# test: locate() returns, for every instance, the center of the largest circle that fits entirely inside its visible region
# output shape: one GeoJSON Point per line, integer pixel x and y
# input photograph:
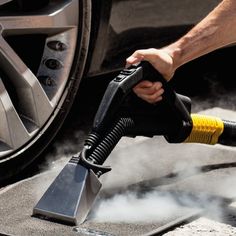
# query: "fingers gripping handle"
{"type": "Point", "coordinates": [119, 88]}
{"type": "Point", "coordinates": [178, 106]}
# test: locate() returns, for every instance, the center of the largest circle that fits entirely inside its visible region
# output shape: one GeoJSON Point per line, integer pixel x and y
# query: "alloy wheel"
{"type": "Point", "coordinates": [37, 53]}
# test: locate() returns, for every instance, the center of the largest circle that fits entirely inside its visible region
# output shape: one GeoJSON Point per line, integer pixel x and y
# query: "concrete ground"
{"type": "Point", "coordinates": [152, 183]}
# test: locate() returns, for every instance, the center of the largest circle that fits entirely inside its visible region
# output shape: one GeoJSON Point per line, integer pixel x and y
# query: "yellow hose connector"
{"type": "Point", "coordinates": [206, 129]}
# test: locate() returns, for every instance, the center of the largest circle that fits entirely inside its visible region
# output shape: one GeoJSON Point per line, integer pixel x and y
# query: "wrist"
{"type": "Point", "coordinates": [175, 52]}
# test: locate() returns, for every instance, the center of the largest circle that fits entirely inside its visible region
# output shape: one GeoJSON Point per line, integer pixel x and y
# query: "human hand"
{"type": "Point", "coordinates": [162, 61]}
{"type": "Point", "coordinates": [149, 91]}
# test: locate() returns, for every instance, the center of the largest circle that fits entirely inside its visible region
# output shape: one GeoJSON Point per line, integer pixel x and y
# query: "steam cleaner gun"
{"type": "Point", "coordinates": [121, 113]}
{"type": "Point", "coordinates": [71, 195]}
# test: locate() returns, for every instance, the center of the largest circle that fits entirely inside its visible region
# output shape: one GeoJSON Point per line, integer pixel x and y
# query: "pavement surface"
{"type": "Point", "coordinates": [152, 184]}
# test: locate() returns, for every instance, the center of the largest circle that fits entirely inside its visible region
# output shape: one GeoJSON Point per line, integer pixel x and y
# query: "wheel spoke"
{"type": "Point", "coordinates": [33, 102]}
{"type": "Point", "coordinates": [55, 19]}
{"type": "Point", "coordinates": [37, 48]}
{"type": "Point", "coordinates": [12, 130]}
{"type": "Point", "coordinates": [2, 2]}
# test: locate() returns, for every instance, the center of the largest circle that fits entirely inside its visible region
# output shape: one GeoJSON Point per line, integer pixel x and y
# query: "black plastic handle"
{"type": "Point", "coordinates": [122, 85]}
{"type": "Point", "coordinates": [119, 88]}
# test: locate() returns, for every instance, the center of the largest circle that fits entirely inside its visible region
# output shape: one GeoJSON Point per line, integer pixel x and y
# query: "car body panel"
{"type": "Point", "coordinates": [127, 25]}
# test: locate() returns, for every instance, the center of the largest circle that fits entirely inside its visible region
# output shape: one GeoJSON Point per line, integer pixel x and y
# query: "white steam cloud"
{"type": "Point", "coordinates": [132, 208]}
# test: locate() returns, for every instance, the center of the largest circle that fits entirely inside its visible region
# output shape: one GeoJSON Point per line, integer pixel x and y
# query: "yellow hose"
{"type": "Point", "coordinates": [206, 129]}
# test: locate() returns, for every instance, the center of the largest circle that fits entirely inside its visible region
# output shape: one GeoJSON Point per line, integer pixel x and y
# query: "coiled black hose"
{"type": "Point", "coordinates": [206, 129]}
{"type": "Point", "coordinates": [99, 152]}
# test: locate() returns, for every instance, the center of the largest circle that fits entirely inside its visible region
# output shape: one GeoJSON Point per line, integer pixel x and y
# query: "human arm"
{"type": "Point", "coordinates": [216, 30]}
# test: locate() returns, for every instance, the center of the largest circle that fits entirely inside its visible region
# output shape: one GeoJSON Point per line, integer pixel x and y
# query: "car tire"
{"type": "Point", "coordinates": [43, 63]}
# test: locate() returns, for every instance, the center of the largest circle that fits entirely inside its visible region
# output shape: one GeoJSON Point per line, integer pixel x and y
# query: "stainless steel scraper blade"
{"type": "Point", "coordinates": [70, 197]}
